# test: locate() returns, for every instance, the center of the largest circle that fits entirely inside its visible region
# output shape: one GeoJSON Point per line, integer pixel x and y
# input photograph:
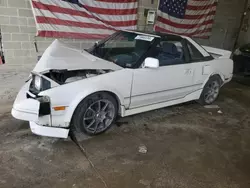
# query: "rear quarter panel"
{"type": "Point", "coordinates": [222, 67]}
{"type": "Point", "coordinates": [222, 64]}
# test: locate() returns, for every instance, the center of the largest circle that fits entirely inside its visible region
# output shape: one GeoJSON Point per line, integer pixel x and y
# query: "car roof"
{"type": "Point", "coordinates": [156, 34]}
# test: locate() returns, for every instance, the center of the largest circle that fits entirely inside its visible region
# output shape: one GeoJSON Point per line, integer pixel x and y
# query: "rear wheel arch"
{"type": "Point", "coordinates": [210, 84]}
{"type": "Point", "coordinates": [218, 75]}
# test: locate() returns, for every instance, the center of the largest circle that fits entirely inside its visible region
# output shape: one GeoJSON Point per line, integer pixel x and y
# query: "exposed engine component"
{"type": "Point", "coordinates": [65, 76]}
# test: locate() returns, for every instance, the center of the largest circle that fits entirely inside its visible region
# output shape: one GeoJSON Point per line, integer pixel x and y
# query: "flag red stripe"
{"type": "Point", "coordinates": [185, 34]}
{"type": "Point", "coordinates": [57, 34]}
{"type": "Point", "coordinates": [196, 17]}
{"type": "Point", "coordinates": [121, 23]}
{"type": "Point", "coordinates": [56, 21]}
{"type": "Point", "coordinates": [206, 7]}
{"type": "Point", "coordinates": [111, 11]}
{"type": "Point", "coordinates": [183, 26]}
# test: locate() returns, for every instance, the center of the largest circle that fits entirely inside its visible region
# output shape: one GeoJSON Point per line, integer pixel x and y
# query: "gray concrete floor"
{"type": "Point", "coordinates": [188, 146]}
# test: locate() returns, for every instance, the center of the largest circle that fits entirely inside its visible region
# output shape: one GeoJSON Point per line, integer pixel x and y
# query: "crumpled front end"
{"type": "Point", "coordinates": [59, 65]}
{"type": "Point", "coordinates": [37, 110]}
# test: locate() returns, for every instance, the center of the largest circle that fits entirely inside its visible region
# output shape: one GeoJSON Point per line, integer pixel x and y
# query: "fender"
{"type": "Point", "coordinates": [81, 96]}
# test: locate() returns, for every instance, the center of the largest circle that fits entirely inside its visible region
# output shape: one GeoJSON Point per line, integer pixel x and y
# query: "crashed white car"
{"type": "Point", "coordinates": [127, 73]}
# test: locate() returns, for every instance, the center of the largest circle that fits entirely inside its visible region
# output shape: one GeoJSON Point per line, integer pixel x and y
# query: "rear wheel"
{"type": "Point", "coordinates": [95, 114]}
{"type": "Point", "coordinates": [211, 91]}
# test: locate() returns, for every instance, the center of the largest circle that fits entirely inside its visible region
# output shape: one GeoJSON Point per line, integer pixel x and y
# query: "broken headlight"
{"type": "Point", "coordinates": [39, 84]}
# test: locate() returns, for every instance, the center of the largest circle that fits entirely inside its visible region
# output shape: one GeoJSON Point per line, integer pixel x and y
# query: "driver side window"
{"type": "Point", "coordinates": [169, 52]}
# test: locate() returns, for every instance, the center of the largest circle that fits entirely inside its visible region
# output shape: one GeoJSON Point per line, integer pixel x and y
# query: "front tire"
{"type": "Point", "coordinates": [95, 114]}
{"type": "Point", "coordinates": [211, 91]}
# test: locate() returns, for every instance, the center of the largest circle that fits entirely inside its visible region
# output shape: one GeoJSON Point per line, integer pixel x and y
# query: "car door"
{"type": "Point", "coordinates": [168, 82]}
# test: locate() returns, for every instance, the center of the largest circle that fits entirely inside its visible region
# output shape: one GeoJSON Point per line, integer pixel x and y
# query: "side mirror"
{"type": "Point", "coordinates": [151, 63]}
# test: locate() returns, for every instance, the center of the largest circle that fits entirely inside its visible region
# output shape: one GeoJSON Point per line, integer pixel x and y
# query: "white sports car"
{"type": "Point", "coordinates": [127, 73]}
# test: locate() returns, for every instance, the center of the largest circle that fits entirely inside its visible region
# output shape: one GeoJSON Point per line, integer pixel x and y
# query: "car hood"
{"type": "Point", "coordinates": [61, 56]}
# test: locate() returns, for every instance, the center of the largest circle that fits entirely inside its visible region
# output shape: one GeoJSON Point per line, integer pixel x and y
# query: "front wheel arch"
{"type": "Point", "coordinates": [75, 123]}
{"type": "Point", "coordinates": [82, 99]}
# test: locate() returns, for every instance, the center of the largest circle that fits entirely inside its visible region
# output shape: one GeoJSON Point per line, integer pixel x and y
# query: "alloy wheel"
{"type": "Point", "coordinates": [99, 116]}
{"type": "Point", "coordinates": [212, 92]}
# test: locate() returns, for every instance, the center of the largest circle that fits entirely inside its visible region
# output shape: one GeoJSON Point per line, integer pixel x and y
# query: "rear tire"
{"type": "Point", "coordinates": [210, 91]}
{"type": "Point", "coordinates": [95, 114]}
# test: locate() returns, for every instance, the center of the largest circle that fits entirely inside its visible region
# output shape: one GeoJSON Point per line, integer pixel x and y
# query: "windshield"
{"type": "Point", "coordinates": [123, 48]}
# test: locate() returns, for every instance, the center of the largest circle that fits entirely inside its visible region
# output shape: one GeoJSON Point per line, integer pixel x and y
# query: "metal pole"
{"type": "Point", "coordinates": [241, 24]}
{"type": "Point", "coordinates": [1, 48]}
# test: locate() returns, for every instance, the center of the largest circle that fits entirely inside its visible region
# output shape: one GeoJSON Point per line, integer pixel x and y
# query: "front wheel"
{"type": "Point", "coordinates": [95, 114]}
{"type": "Point", "coordinates": [211, 91]}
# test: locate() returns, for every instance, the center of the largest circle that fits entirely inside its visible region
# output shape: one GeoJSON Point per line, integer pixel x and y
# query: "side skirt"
{"type": "Point", "coordinates": [193, 96]}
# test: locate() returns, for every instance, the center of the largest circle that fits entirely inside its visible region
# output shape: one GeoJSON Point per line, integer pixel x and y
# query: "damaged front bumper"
{"type": "Point", "coordinates": [37, 111]}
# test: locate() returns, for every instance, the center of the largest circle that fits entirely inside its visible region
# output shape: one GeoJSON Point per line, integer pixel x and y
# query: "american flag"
{"type": "Point", "coordinates": [192, 18]}
{"type": "Point", "coordinates": [84, 19]}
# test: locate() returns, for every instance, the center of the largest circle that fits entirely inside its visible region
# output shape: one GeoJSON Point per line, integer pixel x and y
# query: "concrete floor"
{"type": "Point", "coordinates": [188, 146]}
